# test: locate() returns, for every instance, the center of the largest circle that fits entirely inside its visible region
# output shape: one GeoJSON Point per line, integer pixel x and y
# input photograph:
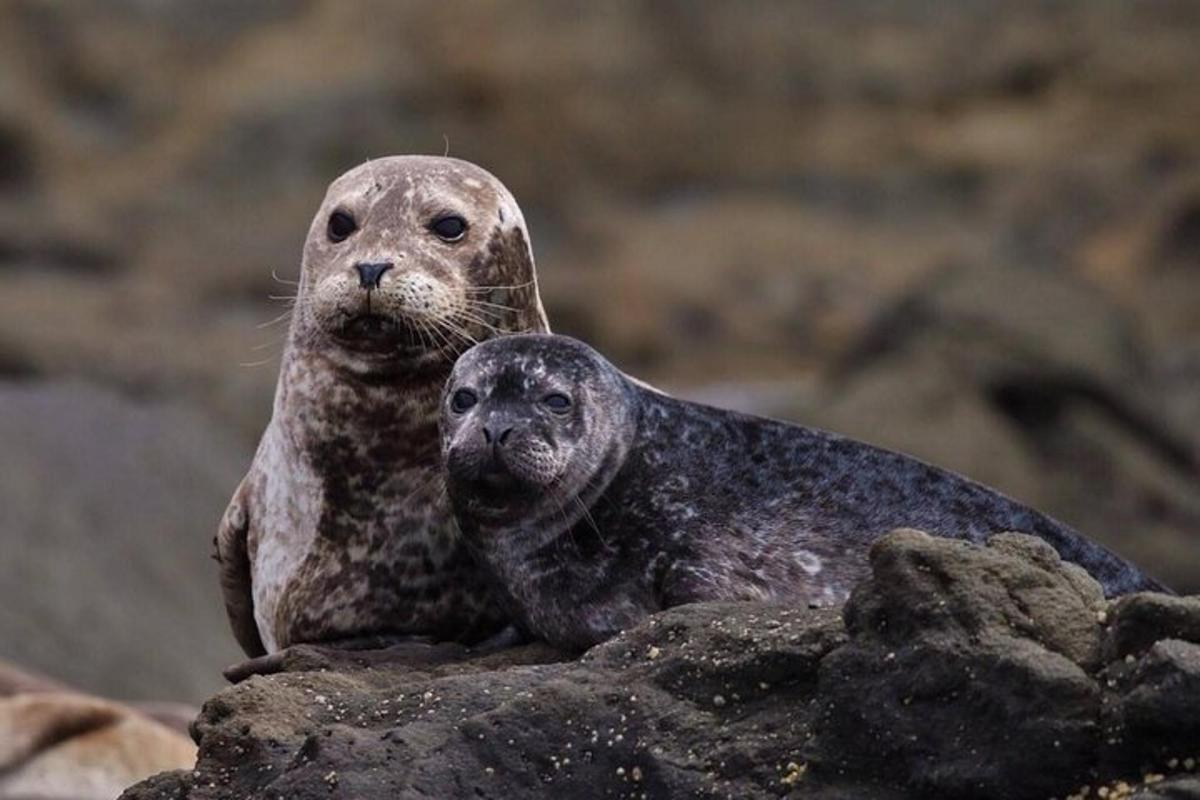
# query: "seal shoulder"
{"type": "Point", "coordinates": [233, 557]}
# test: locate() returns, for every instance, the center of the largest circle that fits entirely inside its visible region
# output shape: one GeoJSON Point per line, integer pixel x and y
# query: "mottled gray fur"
{"type": "Point", "coordinates": [628, 501]}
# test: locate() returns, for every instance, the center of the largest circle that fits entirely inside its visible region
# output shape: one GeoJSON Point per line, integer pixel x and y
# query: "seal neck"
{"type": "Point", "coordinates": [318, 403]}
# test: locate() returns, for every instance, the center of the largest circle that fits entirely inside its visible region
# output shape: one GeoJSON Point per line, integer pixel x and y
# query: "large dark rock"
{"type": "Point", "coordinates": [1137, 621]}
{"type": "Point", "coordinates": [1160, 704]}
{"type": "Point", "coordinates": [954, 671]}
{"type": "Point", "coordinates": [953, 649]}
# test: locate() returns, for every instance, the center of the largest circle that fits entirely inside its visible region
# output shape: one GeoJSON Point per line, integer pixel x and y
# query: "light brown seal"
{"type": "Point", "coordinates": [341, 529]}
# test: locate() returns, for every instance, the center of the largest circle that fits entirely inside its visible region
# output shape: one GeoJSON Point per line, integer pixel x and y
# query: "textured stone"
{"type": "Point", "coordinates": [955, 671]}
{"type": "Point", "coordinates": [1137, 621]}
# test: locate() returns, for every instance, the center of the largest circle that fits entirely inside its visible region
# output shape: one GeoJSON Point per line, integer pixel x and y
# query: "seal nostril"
{"type": "Point", "coordinates": [487, 435]}
{"type": "Point", "coordinates": [370, 273]}
{"type": "Point", "coordinates": [504, 435]}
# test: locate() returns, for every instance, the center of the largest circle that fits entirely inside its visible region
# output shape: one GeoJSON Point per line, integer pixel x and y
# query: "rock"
{"type": "Point", "coordinates": [676, 706]}
{"type": "Point", "coordinates": [955, 670]}
{"type": "Point", "coordinates": [1182, 788]}
{"type": "Point", "coordinates": [982, 722]}
{"type": "Point", "coordinates": [1137, 621]}
{"type": "Point", "coordinates": [953, 648]}
{"type": "Point", "coordinates": [1160, 705]}
{"type": "Point", "coordinates": [1017, 588]}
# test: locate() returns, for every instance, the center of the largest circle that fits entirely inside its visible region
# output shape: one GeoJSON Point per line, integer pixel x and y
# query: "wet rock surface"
{"type": "Point", "coordinates": [954, 671]}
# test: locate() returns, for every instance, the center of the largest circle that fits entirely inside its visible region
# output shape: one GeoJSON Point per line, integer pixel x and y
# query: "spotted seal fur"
{"type": "Point", "coordinates": [594, 501]}
{"type": "Point", "coordinates": [341, 530]}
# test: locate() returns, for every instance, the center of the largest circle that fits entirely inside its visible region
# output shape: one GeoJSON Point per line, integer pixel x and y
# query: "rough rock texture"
{"type": "Point", "coordinates": [954, 671]}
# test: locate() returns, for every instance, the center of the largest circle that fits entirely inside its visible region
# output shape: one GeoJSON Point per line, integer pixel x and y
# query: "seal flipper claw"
{"type": "Point", "coordinates": [260, 665]}
{"type": "Point", "coordinates": [510, 636]}
{"type": "Point", "coordinates": [357, 653]}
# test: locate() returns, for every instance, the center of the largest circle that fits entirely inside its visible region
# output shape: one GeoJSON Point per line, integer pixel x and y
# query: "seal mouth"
{"type": "Point", "coordinates": [499, 481]}
{"type": "Point", "coordinates": [497, 492]}
{"type": "Point", "coordinates": [378, 333]}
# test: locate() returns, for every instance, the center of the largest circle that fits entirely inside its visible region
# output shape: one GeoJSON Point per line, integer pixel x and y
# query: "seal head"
{"type": "Point", "coordinates": [406, 261]}
{"type": "Point", "coordinates": [533, 425]}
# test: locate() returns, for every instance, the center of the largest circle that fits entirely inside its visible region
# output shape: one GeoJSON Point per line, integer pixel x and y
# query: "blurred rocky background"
{"type": "Point", "coordinates": [969, 231]}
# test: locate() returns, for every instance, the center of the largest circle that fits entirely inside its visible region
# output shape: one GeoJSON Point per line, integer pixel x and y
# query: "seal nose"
{"type": "Point", "coordinates": [371, 272]}
{"type": "Point", "coordinates": [496, 435]}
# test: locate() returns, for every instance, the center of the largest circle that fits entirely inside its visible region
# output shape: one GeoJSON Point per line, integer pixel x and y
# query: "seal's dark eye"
{"type": "Point", "coordinates": [341, 225]}
{"type": "Point", "coordinates": [557, 402]}
{"type": "Point", "coordinates": [462, 400]}
{"type": "Point", "coordinates": [450, 228]}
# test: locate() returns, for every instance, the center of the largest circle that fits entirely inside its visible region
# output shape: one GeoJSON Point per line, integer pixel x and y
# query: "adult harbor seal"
{"type": "Point", "coordinates": [594, 501]}
{"type": "Point", "coordinates": [341, 529]}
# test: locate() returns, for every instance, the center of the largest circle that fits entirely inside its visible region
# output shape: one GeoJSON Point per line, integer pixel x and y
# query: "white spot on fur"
{"type": "Point", "coordinates": [809, 562]}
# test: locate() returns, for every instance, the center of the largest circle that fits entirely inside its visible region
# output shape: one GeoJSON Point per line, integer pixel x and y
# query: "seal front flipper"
{"type": "Point", "coordinates": [679, 585]}
{"type": "Point", "coordinates": [413, 651]}
{"type": "Point", "coordinates": [513, 635]}
{"type": "Point", "coordinates": [234, 559]}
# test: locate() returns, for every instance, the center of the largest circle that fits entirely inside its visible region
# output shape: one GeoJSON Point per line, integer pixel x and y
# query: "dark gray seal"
{"type": "Point", "coordinates": [594, 501]}
{"type": "Point", "coordinates": [341, 530]}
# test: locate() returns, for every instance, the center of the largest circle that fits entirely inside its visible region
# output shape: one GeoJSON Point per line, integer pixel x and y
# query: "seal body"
{"type": "Point", "coordinates": [594, 501]}
{"type": "Point", "coordinates": [341, 528]}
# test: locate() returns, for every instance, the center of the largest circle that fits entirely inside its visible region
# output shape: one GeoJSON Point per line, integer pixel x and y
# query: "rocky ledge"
{"type": "Point", "coordinates": [954, 671]}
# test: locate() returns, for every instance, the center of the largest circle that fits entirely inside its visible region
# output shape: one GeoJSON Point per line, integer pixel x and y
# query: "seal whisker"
{"type": "Point", "coordinates": [265, 345]}
{"type": "Point", "coordinates": [469, 319]}
{"type": "Point", "coordinates": [477, 312]}
{"type": "Point", "coordinates": [285, 315]}
{"type": "Point", "coordinates": [568, 523]}
{"type": "Point", "coordinates": [445, 345]}
{"type": "Point", "coordinates": [437, 330]}
{"type": "Point", "coordinates": [587, 515]}
{"type": "Point", "coordinates": [252, 364]}
{"type": "Point", "coordinates": [459, 330]}
{"type": "Point", "coordinates": [484, 289]}
{"type": "Point", "coordinates": [448, 326]}
{"type": "Point", "coordinates": [425, 337]}
{"type": "Point", "coordinates": [285, 281]}
{"type": "Point", "coordinates": [481, 304]}
{"type": "Point", "coordinates": [426, 329]}
{"type": "Point", "coordinates": [463, 316]}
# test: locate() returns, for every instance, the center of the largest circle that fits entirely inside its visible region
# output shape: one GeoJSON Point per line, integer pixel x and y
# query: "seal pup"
{"type": "Point", "coordinates": [594, 501]}
{"type": "Point", "coordinates": [341, 532]}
